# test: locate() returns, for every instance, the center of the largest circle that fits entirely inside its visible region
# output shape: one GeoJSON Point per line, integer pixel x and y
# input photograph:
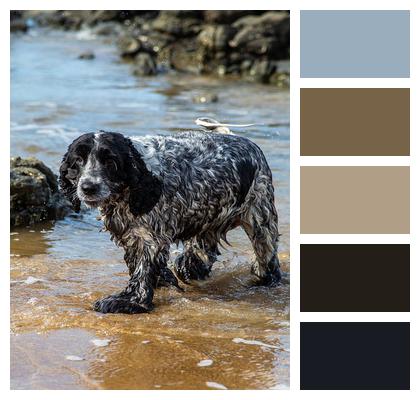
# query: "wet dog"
{"type": "Point", "coordinates": [191, 187]}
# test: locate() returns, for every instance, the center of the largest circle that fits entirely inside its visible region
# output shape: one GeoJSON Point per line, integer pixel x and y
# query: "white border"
{"type": "Point", "coordinates": [295, 160]}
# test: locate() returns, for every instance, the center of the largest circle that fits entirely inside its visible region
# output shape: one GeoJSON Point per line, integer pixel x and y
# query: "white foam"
{"type": "Point", "coordinates": [30, 280]}
{"type": "Point", "coordinates": [205, 363]}
{"type": "Point", "coordinates": [101, 342]}
{"type": "Point", "coordinates": [74, 358]}
{"type": "Point", "coordinates": [254, 342]}
{"type": "Point", "coordinates": [215, 385]}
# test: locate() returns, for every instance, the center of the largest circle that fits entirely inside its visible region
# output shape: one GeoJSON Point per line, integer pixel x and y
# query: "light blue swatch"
{"type": "Point", "coordinates": [355, 44]}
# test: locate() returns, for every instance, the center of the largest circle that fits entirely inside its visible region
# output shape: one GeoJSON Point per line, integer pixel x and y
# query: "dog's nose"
{"type": "Point", "coordinates": [89, 188]}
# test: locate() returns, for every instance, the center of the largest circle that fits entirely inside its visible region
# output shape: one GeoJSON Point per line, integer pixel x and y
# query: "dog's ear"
{"type": "Point", "coordinates": [67, 186]}
{"type": "Point", "coordinates": [145, 189]}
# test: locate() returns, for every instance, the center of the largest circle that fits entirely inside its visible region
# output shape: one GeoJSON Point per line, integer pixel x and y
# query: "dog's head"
{"type": "Point", "coordinates": [100, 165]}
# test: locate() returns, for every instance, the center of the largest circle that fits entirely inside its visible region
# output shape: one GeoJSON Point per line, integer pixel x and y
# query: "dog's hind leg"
{"type": "Point", "coordinates": [260, 225]}
{"type": "Point", "coordinates": [197, 259]}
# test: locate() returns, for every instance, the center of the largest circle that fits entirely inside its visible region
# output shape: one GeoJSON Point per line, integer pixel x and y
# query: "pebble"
{"type": "Point", "coordinates": [205, 363]}
{"type": "Point", "coordinates": [88, 55]}
{"type": "Point", "coordinates": [74, 358]}
{"type": "Point", "coordinates": [101, 342]}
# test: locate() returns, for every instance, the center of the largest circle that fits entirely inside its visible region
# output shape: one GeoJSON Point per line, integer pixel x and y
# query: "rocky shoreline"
{"type": "Point", "coordinates": [250, 45]}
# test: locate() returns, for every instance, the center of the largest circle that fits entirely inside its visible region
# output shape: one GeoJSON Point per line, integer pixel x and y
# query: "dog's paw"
{"type": "Point", "coordinates": [120, 304]}
{"type": "Point", "coordinates": [272, 274]}
{"type": "Point", "coordinates": [191, 267]}
{"type": "Point", "coordinates": [271, 279]}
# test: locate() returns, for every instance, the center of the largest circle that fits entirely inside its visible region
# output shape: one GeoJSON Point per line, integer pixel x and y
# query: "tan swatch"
{"type": "Point", "coordinates": [355, 200]}
{"type": "Point", "coordinates": [355, 122]}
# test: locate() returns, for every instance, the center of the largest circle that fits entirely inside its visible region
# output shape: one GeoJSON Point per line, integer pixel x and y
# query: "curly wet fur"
{"type": "Point", "coordinates": [191, 187]}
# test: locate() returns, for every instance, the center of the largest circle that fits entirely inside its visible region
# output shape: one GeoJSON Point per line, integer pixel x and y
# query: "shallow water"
{"type": "Point", "coordinates": [223, 332]}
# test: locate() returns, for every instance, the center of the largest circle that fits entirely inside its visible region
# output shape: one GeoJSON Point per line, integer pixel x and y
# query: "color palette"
{"type": "Point", "coordinates": [355, 277]}
{"type": "Point", "coordinates": [355, 199]}
{"type": "Point", "coordinates": [355, 122]}
{"type": "Point", "coordinates": [355, 355]}
{"type": "Point", "coordinates": [353, 187]}
{"type": "Point", "coordinates": [355, 44]}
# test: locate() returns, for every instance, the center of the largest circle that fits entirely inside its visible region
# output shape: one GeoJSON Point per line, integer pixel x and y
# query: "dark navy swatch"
{"type": "Point", "coordinates": [355, 356]}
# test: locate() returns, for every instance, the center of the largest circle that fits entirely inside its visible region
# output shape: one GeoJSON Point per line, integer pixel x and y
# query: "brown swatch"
{"type": "Point", "coordinates": [355, 277]}
{"type": "Point", "coordinates": [355, 200]}
{"type": "Point", "coordinates": [355, 122]}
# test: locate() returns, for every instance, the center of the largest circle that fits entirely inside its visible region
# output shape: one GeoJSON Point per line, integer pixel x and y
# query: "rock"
{"type": "Point", "coordinates": [34, 195]}
{"type": "Point", "coordinates": [107, 29]}
{"type": "Point", "coordinates": [205, 98]}
{"type": "Point", "coordinates": [98, 16]}
{"type": "Point", "coordinates": [18, 25]}
{"type": "Point", "coordinates": [261, 71]}
{"type": "Point", "coordinates": [226, 16]}
{"type": "Point", "coordinates": [169, 23]}
{"type": "Point", "coordinates": [216, 37]}
{"type": "Point", "coordinates": [267, 34]}
{"type": "Point", "coordinates": [186, 56]}
{"type": "Point", "coordinates": [129, 46]}
{"type": "Point", "coordinates": [155, 42]}
{"type": "Point", "coordinates": [145, 65]}
{"type": "Point", "coordinates": [198, 14]}
{"type": "Point", "coordinates": [281, 77]}
{"type": "Point", "coordinates": [87, 55]}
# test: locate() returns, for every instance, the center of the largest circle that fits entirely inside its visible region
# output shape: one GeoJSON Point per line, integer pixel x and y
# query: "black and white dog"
{"type": "Point", "coordinates": [191, 187]}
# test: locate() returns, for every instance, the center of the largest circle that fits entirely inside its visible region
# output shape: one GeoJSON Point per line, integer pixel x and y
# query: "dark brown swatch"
{"type": "Point", "coordinates": [355, 122]}
{"type": "Point", "coordinates": [354, 277]}
{"type": "Point", "coordinates": [355, 356]}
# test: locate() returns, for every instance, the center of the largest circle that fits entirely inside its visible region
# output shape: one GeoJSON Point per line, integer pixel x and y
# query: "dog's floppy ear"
{"type": "Point", "coordinates": [67, 187]}
{"type": "Point", "coordinates": [145, 188]}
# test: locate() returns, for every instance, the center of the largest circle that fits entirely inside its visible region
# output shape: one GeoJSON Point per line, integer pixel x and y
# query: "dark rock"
{"type": "Point", "coordinates": [107, 29]}
{"type": "Point", "coordinates": [87, 55]}
{"type": "Point", "coordinates": [198, 14]}
{"type": "Point", "coordinates": [155, 42]}
{"type": "Point", "coordinates": [226, 16]}
{"type": "Point", "coordinates": [261, 71]}
{"type": "Point", "coordinates": [267, 34]}
{"type": "Point", "coordinates": [281, 77]}
{"type": "Point", "coordinates": [34, 195]}
{"type": "Point", "coordinates": [129, 46]}
{"type": "Point", "coordinates": [145, 65]}
{"type": "Point", "coordinates": [179, 27]}
{"type": "Point", "coordinates": [216, 37]}
{"type": "Point", "coordinates": [186, 56]}
{"type": "Point", "coordinates": [18, 25]}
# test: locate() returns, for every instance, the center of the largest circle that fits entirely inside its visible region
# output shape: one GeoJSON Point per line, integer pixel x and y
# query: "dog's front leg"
{"type": "Point", "coordinates": [137, 297]}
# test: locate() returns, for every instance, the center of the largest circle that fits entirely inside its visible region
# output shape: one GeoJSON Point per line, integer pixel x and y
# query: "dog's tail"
{"type": "Point", "coordinates": [215, 126]}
